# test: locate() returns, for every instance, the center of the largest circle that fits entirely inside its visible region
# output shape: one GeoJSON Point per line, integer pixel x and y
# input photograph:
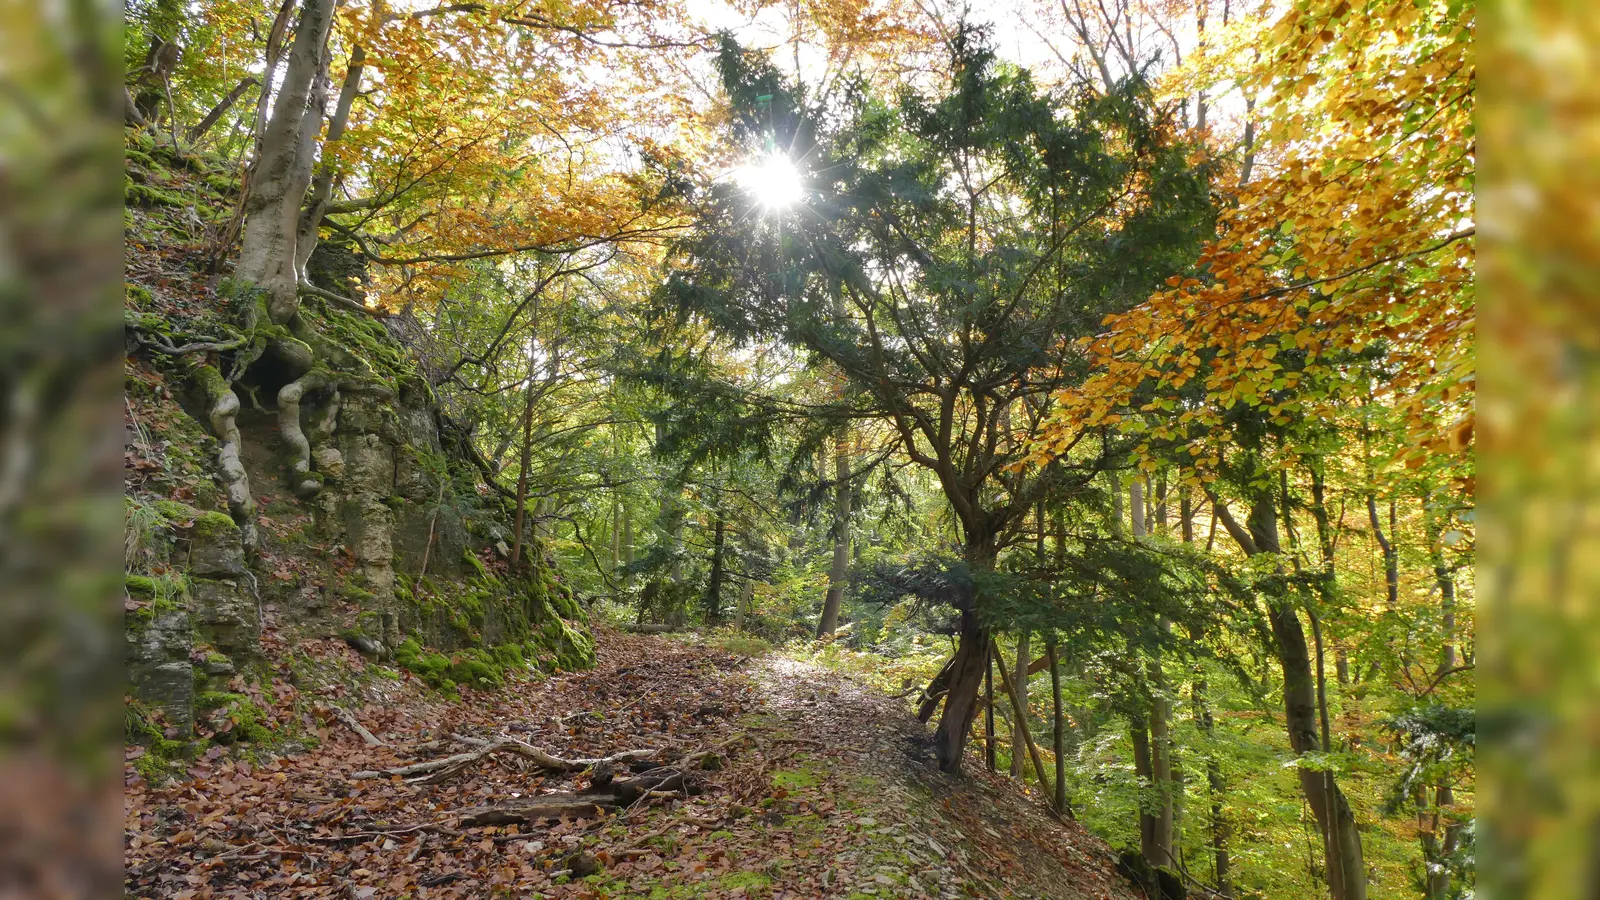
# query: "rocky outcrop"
{"type": "Point", "coordinates": [394, 550]}
{"type": "Point", "coordinates": [197, 620]}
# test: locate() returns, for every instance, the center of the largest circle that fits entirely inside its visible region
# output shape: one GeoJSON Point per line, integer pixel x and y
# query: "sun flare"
{"type": "Point", "coordinates": [773, 180]}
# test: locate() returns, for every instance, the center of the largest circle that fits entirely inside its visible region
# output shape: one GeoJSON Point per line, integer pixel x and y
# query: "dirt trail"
{"type": "Point", "coordinates": [823, 789]}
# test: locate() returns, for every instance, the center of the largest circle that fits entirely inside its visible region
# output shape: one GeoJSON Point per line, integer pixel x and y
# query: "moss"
{"type": "Point", "coordinates": [163, 755]}
{"type": "Point", "coordinates": [147, 195]}
{"type": "Point", "coordinates": [796, 779]}
{"type": "Point", "coordinates": [472, 560]}
{"type": "Point", "coordinates": [210, 381]}
{"type": "Point", "coordinates": [214, 525]}
{"type": "Point", "coordinates": [137, 296]}
{"type": "Point", "coordinates": [176, 513]}
{"type": "Point", "coordinates": [221, 182]}
{"type": "Point", "coordinates": [750, 881]}
{"type": "Point", "coordinates": [236, 718]}
{"type": "Point", "coordinates": [433, 668]}
{"type": "Point", "coordinates": [165, 593]}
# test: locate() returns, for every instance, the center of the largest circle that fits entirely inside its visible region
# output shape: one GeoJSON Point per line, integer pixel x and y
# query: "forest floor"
{"type": "Point", "coordinates": [814, 786]}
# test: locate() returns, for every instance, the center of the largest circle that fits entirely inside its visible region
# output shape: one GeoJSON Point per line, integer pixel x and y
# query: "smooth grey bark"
{"type": "Point", "coordinates": [281, 174]}
{"type": "Point", "coordinates": [1216, 787]}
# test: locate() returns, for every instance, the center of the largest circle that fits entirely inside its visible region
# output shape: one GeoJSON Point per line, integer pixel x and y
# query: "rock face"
{"type": "Point", "coordinates": [389, 552]}
{"type": "Point", "coordinates": [211, 604]}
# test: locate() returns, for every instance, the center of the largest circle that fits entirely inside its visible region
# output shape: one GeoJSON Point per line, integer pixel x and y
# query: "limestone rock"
{"type": "Point", "coordinates": [330, 462]}
{"type": "Point", "coordinates": [216, 547]}
{"type": "Point", "coordinates": [225, 615]}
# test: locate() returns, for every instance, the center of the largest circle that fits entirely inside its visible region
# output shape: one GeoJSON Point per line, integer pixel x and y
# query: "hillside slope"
{"type": "Point", "coordinates": [350, 510]}
{"type": "Point", "coordinates": [797, 784]}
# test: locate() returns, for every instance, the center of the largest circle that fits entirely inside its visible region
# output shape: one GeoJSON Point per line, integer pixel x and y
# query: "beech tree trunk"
{"type": "Point", "coordinates": [1155, 826]}
{"type": "Point", "coordinates": [841, 539]}
{"type": "Point", "coordinates": [1221, 859]}
{"type": "Point", "coordinates": [988, 714]}
{"type": "Point", "coordinates": [281, 175]}
{"type": "Point", "coordinates": [1347, 878]}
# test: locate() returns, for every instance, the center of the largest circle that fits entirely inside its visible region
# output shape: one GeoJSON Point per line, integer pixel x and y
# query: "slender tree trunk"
{"type": "Point", "coordinates": [1020, 724]}
{"type": "Point", "coordinates": [616, 533]}
{"type": "Point", "coordinates": [1155, 828]}
{"type": "Point", "coordinates": [988, 714]}
{"type": "Point", "coordinates": [1221, 859]}
{"type": "Point", "coordinates": [746, 591]}
{"type": "Point", "coordinates": [1161, 763]}
{"type": "Point", "coordinates": [1060, 722]}
{"type": "Point", "coordinates": [525, 461]}
{"type": "Point", "coordinates": [714, 587]}
{"type": "Point", "coordinates": [841, 538]}
{"type": "Point", "coordinates": [222, 107]}
{"type": "Point", "coordinates": [1149, 843]}
{"type": "Point", "coordinates": [308, 231]}
{"type": "Point", "coordinates": [1011, 693]}
{"type": "Point", "coordinates": [1438, 885]}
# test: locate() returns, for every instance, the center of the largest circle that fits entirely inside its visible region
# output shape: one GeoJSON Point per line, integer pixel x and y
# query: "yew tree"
{"type": "Point", "coordinates": [948, 246]}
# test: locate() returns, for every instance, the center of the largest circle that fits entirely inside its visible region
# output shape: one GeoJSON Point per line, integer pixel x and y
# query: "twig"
{"type": "Point", "coordinates": [349, 719]}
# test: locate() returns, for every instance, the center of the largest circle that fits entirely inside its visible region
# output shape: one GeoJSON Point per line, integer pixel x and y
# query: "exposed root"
{"type": "Point", "coordinates": [224, 408]}
{"type": "Point", "coordinates": [306, 484]}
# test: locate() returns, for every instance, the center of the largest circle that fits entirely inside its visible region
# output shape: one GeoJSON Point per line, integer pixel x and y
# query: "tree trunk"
{"type": "Point", "coordinates": [282, 171]}
{"type": "Point", "coordinates": [961, 699]}
{"type": "Point", "coordinates": [1220, 857]}
{"type": "Point", "coordinates": [1347, 879]}
{"type": "Point", "coordinates": [988, 714]}
{"type": "Point", "coordinates": [1033, 749]}
{"type": "Point", "coordinates": [1155, 828]}
{"type": "Point", "coordinates": [841, 539]}
{"type": "Point", "coordinates": [714, 586]}
{"type": "Point", "coordinates": [1222, 860]}
{"type": "Point", "coordinates": [1139, 733]}
{"type": "Point", "coordinates": [1060, 733]}
{"type": "Point", "coordinates": [1020, 679]}
{"type": "Point", "coordinates": [1161, 765]}
{"type": "Point", "coordinates": [746, 591]}
{"type": "Point", "coordinates": [524, 462]}
{"type": "Point", "coordinates": [222, 107]}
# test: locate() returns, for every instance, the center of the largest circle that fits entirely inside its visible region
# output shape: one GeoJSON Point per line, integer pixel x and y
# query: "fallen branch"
{"type": "Point", "coordinates": [439, 769]}
{"type": "Point", "coordinates": [354, 724]}
{"type": "Point", "coordinates": [434, 827]}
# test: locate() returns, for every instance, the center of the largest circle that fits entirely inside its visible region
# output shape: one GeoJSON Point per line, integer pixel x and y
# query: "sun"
{"type": "Point", "coordinates": [773, 180]}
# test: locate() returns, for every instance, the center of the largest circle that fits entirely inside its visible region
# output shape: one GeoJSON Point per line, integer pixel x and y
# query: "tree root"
{"type": "Point", "coordinates": [306, 484]}
{"type": "Point", "coordinates": [223, 409]}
